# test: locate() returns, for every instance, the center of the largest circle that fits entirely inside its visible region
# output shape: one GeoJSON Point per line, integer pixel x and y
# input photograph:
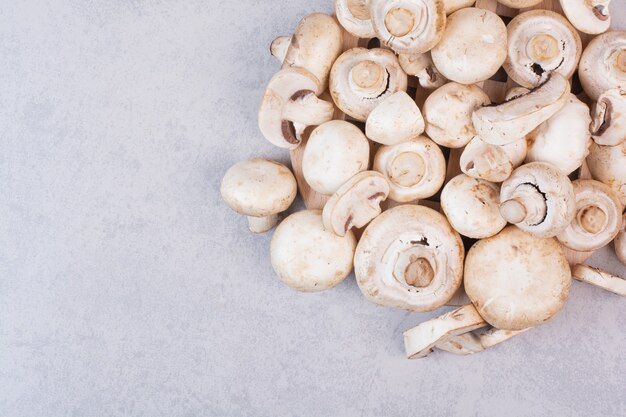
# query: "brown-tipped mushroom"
{"type": "Point", "coordinates": [355, 17]}
{"type": "Point", "coordinates": [608, 165]}
{"type": "Point", "coordinates": [493, 163]}
{"type": "Point", "coordinates": [609, 118]}
{"type": "Point", "coordinates": [600, 278]}
{"type": "Point", "coordinates": [422, 67]}
{"type": "Point", "coordinates": [588, 16]}
{"type": "Point", "coordinates": [603, 64]}
{"type": "Point", "coordinates": [396, 119]}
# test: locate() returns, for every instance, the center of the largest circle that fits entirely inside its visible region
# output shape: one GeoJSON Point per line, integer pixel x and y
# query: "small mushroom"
{"type": "Point", "coordinates": [608, 165]}
{"type": "Point", "coordinates": [408, 26]}
{"type": "Point", "coordinates": [290, 104]}
{"type": "Point", "coordinates": [539, 199]}
{"type": "Point", "coordinates": [362, 78]}
{"type": "Point", "coordinates": [541, 42]}
{"type": "Point", "coordinates": [492, 163]}
{"type": "Point", "coordinates": [603, 64]}
{"type": "Point", "coordinates": [519, 4]}
{"type": "Point", "coordinates": [598, 217]}
{"type": "Point", "coordinates": [356, 202]}
{"type": "Point", "coordinates": [600, 278]}
{"type": "Point", "coordinates": [472, 206]}
{"type": "Point", "coordinates": [259, 189]}
{"type": "Point", "coordinates": [514, 119]}
{"type": "Point", "coordinates": [395, 120]}
{"type": "Point", "coordinates": [448, 113]}
{"type": "Point", "coordinates": [477, 341]}
{"type": "Point", "coordinates": [620, 242]}
{"type": "Point", "coordinates": [588, 16]}
{"type": "Point", "coordinates": [354, 16]}
{"type": "Point", "coordinates": [308, 257]}
{"type": "Point", "coordinates": [334, 153]}
{"type": "Point", "coordinates": [409, 257]}
{"type": "Point", "coordinates": [517, 280]}
{"type": "Point", "coordinates": [452, 6]}
{"type": "Point", "coordinates": [609, 118]}
{"type": "Point", "coordinates": [415, 169]}
{"type": "Point", "coordinates": [473, 47]}
{"type": "Point", "coordinates": [422, 67]}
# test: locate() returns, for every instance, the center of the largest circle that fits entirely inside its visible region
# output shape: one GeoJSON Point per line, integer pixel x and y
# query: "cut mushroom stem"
{"type": "Point", "coordinates": [262, 224]}
{"type": "Point", "coordinates": [279, 47]}
{"type": "Point", "coordinates": [477, 341]}
{"type": "Point", "coordinates": [600, 278]}
{"type": "Point", "coordinates": [369, 79]}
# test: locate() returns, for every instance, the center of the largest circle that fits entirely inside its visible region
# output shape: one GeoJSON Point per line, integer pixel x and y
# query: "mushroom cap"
{"type": "Point", "coordinates": [564, 139]}
{"type": "Point", "coordinates": [415, 169]}
{"type": "Point", "coordinates": [519, 4]}
{"type": "Point", "coordinates": [472, 206]}
{"type": "Point", "coordinates": [452, 6]}
{"type": "Point", "coordinates": [620, 242]}
{"type": "Point", "coordinates": [598, 217]}
{"type": "Point", "coordinates": [409, 257]}
{"type": "Point", "coordinates": [609, 118]}
{"type": "Point", "coordinates": [591, 17]}
{"type": "Point", "coordinates": [492, 163]}
{"type": "Point", "coordinates": [608, 165]}
{"type": "Point", "coordinates": [395, 120]}
{"type": "Point", "coordinates": [259, 187]}
{"type": "Point", "coordinates": [541, 42]}
{"type": "Point", "coordinates": [448, 113]}
{"type": "Point", "coordinates": [473, 46]}
{"type": "Point", "coordinates": [422, 67]}
{"type": "Point", "coordinates": [603, 64]}
{"type": "Point", "coordinates": [517, 280]}
{"type": "Point", "coordinates": [334, 153]}
{"type": "Point", "coordinates": [355, 17]}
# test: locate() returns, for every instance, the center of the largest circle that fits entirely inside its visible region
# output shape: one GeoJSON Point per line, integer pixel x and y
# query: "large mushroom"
{"type": "Point", "coordinates": [608, 165]}
{"type": "Point", "coordinates": [609, 118]}
{"type": "Point", "coordinates": [493, 163]}
{"type": "Point", "coordinates": [620, 242]}
{"type": "Point", "coordinates": [603, 64]}
{"type": "Point", "coordinates": [355, 17]}
{"type": "Point", "coordinates": [422, 67]}
{"type": "Point", "coordinates": [395, 120]}
{"type": "Point", "coordinates": [588, 16]}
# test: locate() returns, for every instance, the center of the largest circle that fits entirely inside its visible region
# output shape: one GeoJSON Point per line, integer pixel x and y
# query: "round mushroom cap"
{"type": "Point", "coordinates": [395, 120]}
{"type": "Point", "coordinates": [591, 17]}
{"type": "Point", "coordinates": [355, 17]}
{"type": "Point", "coordinates": [473, 47]}
{"type": "Point", "coordinates": [608, 165]}
{"type": "Point", "coordinates": [259, 187]}
{"type": "Point", "coordinates": [603, 64]}
{"type": "Point", "coordinates": [519, 4]}
{"type": "Point", "coordinates": [609, 118]}
{"type": "Point", "coordinates": [307, 257]}
{"type": "Point", "coordinates": [516, 280]}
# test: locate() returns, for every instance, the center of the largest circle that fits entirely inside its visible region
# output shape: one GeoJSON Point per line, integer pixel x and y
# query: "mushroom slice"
{"type": "Point", "coordinates": [620, 242]}
{"type": "Point", "coordinates": [289, 105]}
{"type": "Point", "coordinates": [448, 113]}
{"type": "Point", "coordinates": [354, 16]}
{"type": "Point", "coordinates": [603, 64]}
{"type": "Point", "coordinates": [409, 257]}
{"type": "Point", "coordinates": [588, 16]}
{"type": "Point", "coordinates": [600, 278]}
{"type": "Point", "coordinates": [608, 165]}
{"type": "Point", "coordinates": [492, 162]}
{"type": "Point", "coordinates": [519, 4]}
{"type": "Point", "coordinates": [516, 118]}
{"type": "Point", "coordinates": [609, 118]}
{"type": "Point", "coordinates": [452, 6]}
{"type": "Point", "coordinates": [421, 339]}
{"type": "Point", "coordinates": [415, 169]}
{"type": "Point", "coordinates": [598, 217]}
{"type": "Point", "coordinates": [422, 67]}
{"type": "Point", "coordinates": [395, 120]}
{"type": "Point", "coordinates": [477, 341]}
{"type": "Point", "coordinates": [356, 202]}
{"type": "Point", "coordinates": [564, 139]}
{"type": "Point", "coordinates": [362, 78]}
{"type": "Point", "coordinates": [515, 92]}
{"type": "Point", "coordinates": [408, 26]}
{"type": "Point", "coordinates": [541, 42]}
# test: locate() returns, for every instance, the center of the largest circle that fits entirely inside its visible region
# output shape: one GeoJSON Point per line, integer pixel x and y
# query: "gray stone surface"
{"type": "Point", "coordinates": [127, 288]}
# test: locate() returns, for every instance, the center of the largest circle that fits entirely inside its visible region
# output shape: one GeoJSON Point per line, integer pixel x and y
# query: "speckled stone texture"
{"type": "Point", "coordinates": [127, 288]}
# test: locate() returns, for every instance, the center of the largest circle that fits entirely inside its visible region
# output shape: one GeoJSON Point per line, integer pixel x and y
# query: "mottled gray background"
{"type": "Point", "coordinates": [127, 288]}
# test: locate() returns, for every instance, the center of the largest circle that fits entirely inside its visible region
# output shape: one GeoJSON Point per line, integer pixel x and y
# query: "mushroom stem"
{"type": "Point", "coordinates": [280, 46]}
{"type": "Point", "coordinates": [526, 205]}
{"type": "Point", "coordinates": [513, 211]}
{"type": "Point", "coordinates": [305, 108]}
{"type": "Point", "coordinates": [592, 219]}
{"type": "Point", "coordinates": [262, 224]}
{"type": "Point", "coordinates": [369, 79]}
{"type": "Point", "coordinates": [600, 278]}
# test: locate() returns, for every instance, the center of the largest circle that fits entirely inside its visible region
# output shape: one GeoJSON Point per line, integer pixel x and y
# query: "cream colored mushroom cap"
{"type": "Point", "coordinates": [608, 165]}
{"type": "Point", "coordinates": [452, 6]}
{"type": "Point", "coordinates": [516, 280]}
{"type": "Point", "coordinates": [588, 16]}
{"type": "Point", "coordinates": [620, 242]}
{"type": "Point", "coordinates": [395, 120]}
{"type": "Point", "coordinates": [519, 4]}
{"type": "Point", "coordinates": [609, 118]}
{"type": "Point", "coordinates": [355, 17]}
{"type": "Point", "coordinates": [603, 64]}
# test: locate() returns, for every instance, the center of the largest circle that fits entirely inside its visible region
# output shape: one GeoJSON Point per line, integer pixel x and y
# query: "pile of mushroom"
{"type": "Point", "coordinates": [431, 186]}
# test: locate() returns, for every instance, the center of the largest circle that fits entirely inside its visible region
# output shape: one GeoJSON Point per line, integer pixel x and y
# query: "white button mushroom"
{"type": "Point", "coordinates": [355, 17]}
{"type": "Point", "coordinates": [516, 280]}
{"type": "Point", "coordinates": [259, 189]}
{"type": "Point", "coordinates": [452, 6]}
{"type": "Point", "coordinates": [620, 242]}
{"type": "Point", "coordinates": [492, 163]}
{"type": "Point", "coordinates": [519, 4]}
{"type": "Point", "coordinates": [609, 118]}
{"type": "Point", "coordinates": [600, 278]}
{"type": "Point", "coordinates": [473, 46]}
{"type": "Point", "coordinates": [588, 16]}
{"type": "Point", "coordinates": [477, 341]}
{"type": "Point", "coordinates": [422, 67]}
{"type": "Point", "coordinates": [395, 120]}
{"type": "Point", "coordinates": [308, 257]}
{"type": "Point", "coordinates": [409, 257]}
{"type": "Point", "coordinates": [334, 153]}
{"type": "Point", "coordinates": [415, 169]}
{"type": "Point", "coordinates": [603, 64]}
{"type": "Point", "coordinates": [608, 165]}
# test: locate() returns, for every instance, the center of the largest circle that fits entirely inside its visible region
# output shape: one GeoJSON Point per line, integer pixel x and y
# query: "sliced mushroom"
{"type": "Point", "coordinates": [354, 16]}
{"type": "Point", "coordinates": [492, 163]}
{"type": "Point", "coordinates": [608, 165]}
{"type": "Point", "coordinates": [516, 280]}
{"type": "Point", "coordinates": [620, 242]}
{"type": "Point", "coordinates": [395, 120]}
{"type": "Point", "coordinates": [473, 47]}
{"type": "Point", "coordinates": [519, 4]}
{"type": "Point", "coordinates": [477, 341]}
{"type": "Point", "coordinates": [516, 92]}
{"type": "Point", "coordinates": [422, 67]}
{"type": "Point", "coordinates": [541, 42]}
{"type": "Point", "coordinates": [588, 16]}
{"type": "Point", "coordinates": [600, 278]}
{"type": "Point", "coordinates": [516, 118]}
{"type": "Point", "coordinates": [539, 199]}
{"type": "Point", "coordinates": [448, 113]}
{"type": "Point", "coordinates": [356, 202]}
{"type": "Point", "coordinates": [335, 152]}
{"type": "Point", "coordinates": [409, 257]}
{"type": "Point", "coordinates": [609, 118]}
{"type": "Point", "coordinates": [362, 78]}
{"type": "Point", "coordinates": [415, 169]}
{"type": "Point", "coordinates": [452, 6]}
{"type": "Point", "coordinates": [603, 64]}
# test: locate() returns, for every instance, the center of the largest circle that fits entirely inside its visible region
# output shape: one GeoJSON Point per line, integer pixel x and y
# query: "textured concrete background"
{"type": "Point", "coordinates": [127, 288]}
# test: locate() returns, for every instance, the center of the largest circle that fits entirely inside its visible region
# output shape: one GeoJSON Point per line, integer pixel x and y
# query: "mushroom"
{"type": "Point", "coordinates": [354, 16]}
{"type": "Point", "coordinates": [492, 163]}
{"type": "Point", "coordinates": [362, 78]}
{"type": "Point", "coordinates": [289, 105]}
{"type": "Point", "coordinates": [609, 118]}
{"type": "Point", "coordinates": [608, 165]}
{"type": "Point", "coordinates": [598, 217]}
{"type": "Point", "coordinates": [539, 199]}
{"type": "Point", "coordinates": [415, 169]}
{"type": "Point", "coordinates": [477, 341]}
{"type": "Point", "coordinates": [408, 26]}
{"type": "Point", "coordinates": [307, 257]}
{"type": "Point", "coordinates": [422, 67]}
{"type": "Point", "coordinates": [541, 42]}
{"type": "Point", "coordinates": [519, 4]}
{"type": "Point", "coordinates": [259, 189]}
{"type": "Point", "coordinates": [472, 206]}
{"type": "Point", "coordinates": [395, 120]}
{"type": "Point", "coordinates": [452, 6]}
{"type": "Point", "coordinates": [517, 280]}
{"type": "Point", "coordinates": [473, 47]}
{"type": "Point", "coordinates": [515, 92]}
{"type": "Point", "coordinates": [588, 16]}
{"type": "Point", "coordinates": [356, 202]}
{"type": "Point", "coordinates": [603, 64]}
{"type": "Point", "coordinates": [600, 278]}
{"type": "Point", "coordinates": [409, 257]}
{"type": "Point", "coordinates": [564, 139]}
{"type": "Point", "coordinates": [448, 113]}
{"type": "Point", "coordinates": [514, 119]}
{"type": "Point", "coordinates": [620, 242]}
{"type": "Point", "coordinates": [314, 46]}
{"type": "Point", "coordinates": [334, 153]}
